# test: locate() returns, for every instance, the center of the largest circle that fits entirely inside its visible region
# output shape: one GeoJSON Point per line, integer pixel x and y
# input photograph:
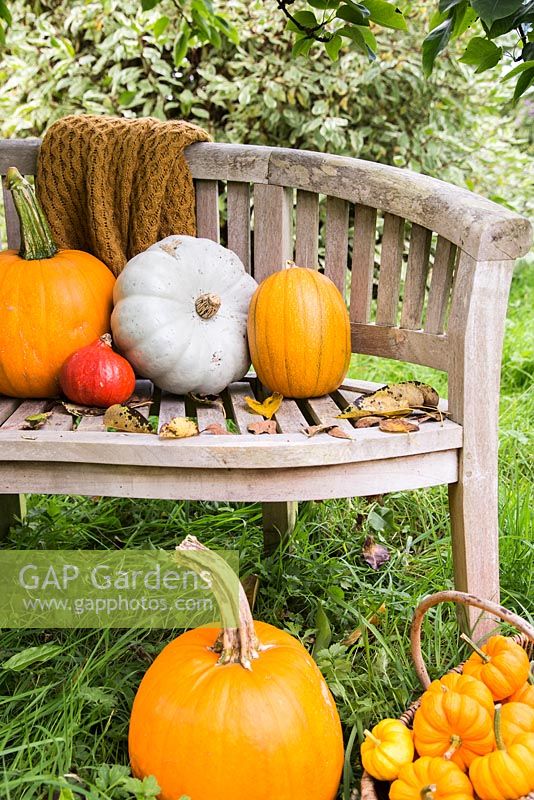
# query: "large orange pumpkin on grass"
{"type": "Point", "coordinates": [299, 333]}
{"type": "Point", "coordinates": [51, 302]}
{"type": "Point", "coordinates": [246, 716]}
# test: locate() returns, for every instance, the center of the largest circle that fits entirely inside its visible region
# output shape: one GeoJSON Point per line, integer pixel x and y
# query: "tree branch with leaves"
{"type": "Point", "coordinates": [504, 30]}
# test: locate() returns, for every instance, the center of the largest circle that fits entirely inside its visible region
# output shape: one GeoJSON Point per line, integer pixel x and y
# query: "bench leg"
{"type": "Point", "coordinates": [278, 521]}
{"type": "Point", "coordinates": [475, 543]}
{"type": "Point", "coordinates": [12, 507]}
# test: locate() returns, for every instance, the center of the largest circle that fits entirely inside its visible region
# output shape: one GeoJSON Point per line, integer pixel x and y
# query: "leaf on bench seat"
{"type": "Point", "coordinates": [268, 408]}
{"type": "Point", "coordinates": [179, 428]}
{"type": "Point", "coordinates": [127, 420]}
{"type": "Point", "coordinates": [331, 430]}
{"type": "Point", "coordinates": [401, 425]}
{"type": "Point", "coordinates": [266, 426]}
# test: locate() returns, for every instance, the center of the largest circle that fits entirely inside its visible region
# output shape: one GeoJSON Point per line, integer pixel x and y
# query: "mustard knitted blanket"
{"type": "Point", "coordinates": [114, 186]}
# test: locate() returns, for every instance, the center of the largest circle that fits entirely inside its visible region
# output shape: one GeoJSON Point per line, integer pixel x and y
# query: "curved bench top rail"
{"type": "Point", "coordinates": [483, 229]}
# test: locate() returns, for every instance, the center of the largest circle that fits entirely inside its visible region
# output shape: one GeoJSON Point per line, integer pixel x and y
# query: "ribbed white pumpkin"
{"type": "Point", "coordinates": [180, 315]}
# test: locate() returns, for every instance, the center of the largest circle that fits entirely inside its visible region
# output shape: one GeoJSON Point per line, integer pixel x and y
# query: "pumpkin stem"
{"type": "Point", "coordinates": [237, 642]}
{"type": "Point", "coordinates": [484, 656]}
{"type": "Point", "coordinates": [207, 305]}
{"type": "Point", "coordinates": [374, 739]}
{"type": "Point", "coordinates": [36, 240]}
{"type": "Point", "coordinates": [498, 728]}
{"type": "Point", "coordinates": [107, 340]}
{"type": "Point", "coordinates": [427, 792]}
{"type": "Point", "coordinates": [455, 745]}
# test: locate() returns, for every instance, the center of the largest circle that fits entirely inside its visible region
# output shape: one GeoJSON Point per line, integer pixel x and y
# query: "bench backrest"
{"type": "Point", "coordinates": [439, 256]}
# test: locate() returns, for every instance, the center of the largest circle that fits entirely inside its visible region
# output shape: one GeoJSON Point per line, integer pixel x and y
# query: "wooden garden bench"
{"type": "Point", "coordinates": [446, 261]}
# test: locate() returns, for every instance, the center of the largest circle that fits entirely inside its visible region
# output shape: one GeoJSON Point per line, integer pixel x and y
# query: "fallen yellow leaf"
{"type": "Point", "coordinates": [179, 428]}
{"type": "Point", "coordinates": [268, 408]}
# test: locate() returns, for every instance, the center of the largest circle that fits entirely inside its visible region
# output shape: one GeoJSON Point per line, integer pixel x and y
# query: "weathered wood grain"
{"type": "Point", "coordinates": [324, 411]}
{"type": "Point", "coordinates": [319, 482]}
{"type": "Point", "coordinates": [7, 407]}
{"type": "Point", "coordinates": [337, 241]}
{"type": "Point", "coordinates": [440, 286]}
{"type": "Point", "coordinates": [254, 452]}
{"type": "Point", "coordinates": [415, 347]}
{"type": "Point", "coordinates": [363, 259]}
{"type": "Point", "coordinates": [415, 283]}
{"type": "Point", "coordinates": [11, 217]}
{"type": "Point", "coordinates": [389, 277]}
{"type": "Point", "coordinates": [476, 329]}
{"type": "Point", "coordinates": [273, 246]}
{"type": "Point", "coordinates": [480, 227]}
{"type": "Point", "coordinates": [238, 206]}
{"type": "Point", "coordinates": [307, 230]}
{"type": "Point", "coordinates": [207, 209]}
{"type": "Point", "coordinates": [278, 523]}
{"type": "Point", "coordinates": [170, 406]}
{"type": "Point", "coordinates": [242, 414]}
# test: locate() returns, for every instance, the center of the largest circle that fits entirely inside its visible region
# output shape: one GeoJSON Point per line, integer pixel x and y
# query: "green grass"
{"type": "Point", "coordinates": [69, 715]}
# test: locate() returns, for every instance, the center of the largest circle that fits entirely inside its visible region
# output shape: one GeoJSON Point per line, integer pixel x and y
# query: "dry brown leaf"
{"type": "Point", "coordinates": [401, 425]}
{"type": "Point", "coordinates": [356, 634]}
{"type": "Point", "coordinates": [216, 429]}
{"type": "Point", "coordinates": [179, 428]}
{"type": "Point", "coordinates": [374, 554]}
{"type": "Point", "coordinates": [368, 422]}
{"type": "Point", "coordinates": [268, 408]}
{"type": "Point", "coordinates": [35, 421]}
{"type": "Point", "coordinates": [126, 419]}
{"type": "Point", "coordinates": [267, 426]}
{"type": "Point", "coordinates": [360, 413]}
{"type": "Point", "coordinates": [313, 430]}
{"type": "Point", "coordinates": [338, 433]}
{"type": "Point", "coordinates": [83, 411]}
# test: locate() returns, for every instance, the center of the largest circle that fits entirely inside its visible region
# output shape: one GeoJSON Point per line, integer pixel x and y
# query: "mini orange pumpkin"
{"type": "Point", "coordinates": [508, 772]}
{"type": "Point", "coordinates": [52, 303]}
{"type": "Point", "coordinates": [299, 333]}
{"type": "Point", "coordinates": [516, 718]}
{"type": "Point", "coordinates": [431, 779]}
{"type": "Point", "coordinates": [501, 664]}
{"type": "Point", "coordinates": [453, 725]}
{"type": "Point", "coordinates": [465, 685]}
{"type": "Point", "coordinates": [386, 749]}
{"type": "Point", "coordinates": [525, 694]}
{"type": "Point", "coordinates": [244, 715]}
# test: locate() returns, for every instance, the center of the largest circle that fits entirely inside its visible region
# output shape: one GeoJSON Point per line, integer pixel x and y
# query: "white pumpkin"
{"type": "Point", "coordinates": [180, 315]}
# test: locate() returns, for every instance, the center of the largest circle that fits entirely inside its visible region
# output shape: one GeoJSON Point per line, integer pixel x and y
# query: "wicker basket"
{"type": "Point", "coordinates": [372, 789]}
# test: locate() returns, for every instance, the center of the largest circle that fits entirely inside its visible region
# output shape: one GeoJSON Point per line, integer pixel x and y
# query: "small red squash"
{"type": "Point", "coordinates": [246, 715]}
{"type": "Point", "coordinates": [96, 376]}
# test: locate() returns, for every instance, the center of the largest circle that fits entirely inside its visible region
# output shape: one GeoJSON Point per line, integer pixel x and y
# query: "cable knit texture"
{"type": "Point", "coordinates": [114, 186]}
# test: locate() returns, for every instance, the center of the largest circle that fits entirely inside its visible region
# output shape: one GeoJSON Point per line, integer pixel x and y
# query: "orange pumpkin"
{"type": "Point", "coordinates": [431, 779]}
{"type": "Point", "coordinates": [258, 721]}
{"type": "Point", "coordinates": [454, 725]}
{"type": "Point", "coordinates": [51, 304]}
{"type": "Point", "coordinates": [501, 664]}
{"type": "Point", "coordinates": [508, 772]}
{"type": "Point", "coordinates": [516, 718]}
{"type": "Point", "coordinates": [525, 694]}
{"type": "Point", "coordinates": [464, 685]}
{"type": "Point", "coordinates": [299, 333]}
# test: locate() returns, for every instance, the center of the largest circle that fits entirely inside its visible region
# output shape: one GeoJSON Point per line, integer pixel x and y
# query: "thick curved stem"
{"type": "Point", "coordinates": [237, 642]}
{"type": "Point", "coordinates": [498, 728]}
{"type": "Point", "coordinates": [35, 235]}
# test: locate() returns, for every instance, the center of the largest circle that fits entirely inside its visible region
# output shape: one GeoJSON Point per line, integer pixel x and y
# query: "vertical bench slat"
{"type": "Point", "coordinates": [238, 203]}
{"type": "Point", "coordinates": [324, 411]}
{"type": "Point", "coordinates": [337, 241]}
{"type": "Point", "coordinates": [243, 416]}
{"type": "Point", "coordinates": [171, 406]}
{"type": "Point", "coordinates": [307, 229]}
{"type": "Point", "coordinates": [440, 285]}
{"type": "Point", "coordinates": [207, 205]}
{"type": "Point", "coordinates": [415, 285]}
{"type": "Point", "coordinates": [390, 270]}
{"type": "Point", "coordinates": [8, 405]}
{"type": "Point", "coordinates": [12, 220]}
{"type": "Point", "coordinates": [273, 207]}
{"type": "Point", "coordinates": [363, 259]}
